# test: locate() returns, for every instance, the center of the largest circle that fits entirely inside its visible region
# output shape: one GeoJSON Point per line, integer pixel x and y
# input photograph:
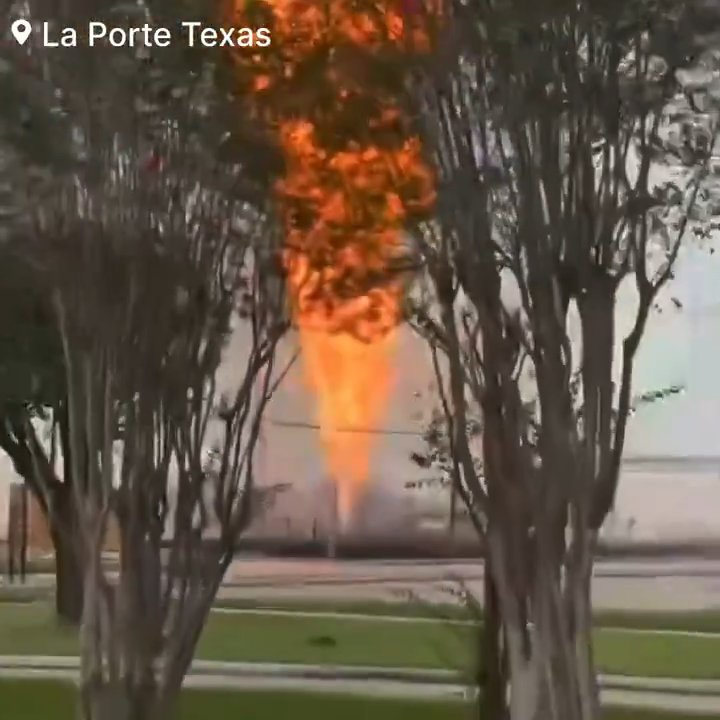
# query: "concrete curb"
{"type": "Point", "coordinates": [297, 671]}
{"type": "Point", "coordinates": [670, 686]}
{"type": "Point", "coordinates": [655, 694]}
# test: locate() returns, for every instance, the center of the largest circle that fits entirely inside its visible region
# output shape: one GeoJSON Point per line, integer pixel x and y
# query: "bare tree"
{"type": "Point", "coordinates": [153, 244]}
{"type": "Point", "coordinates": [32, 400]}
{"type": "Point", "coordinates": [552, 128]}
{"type": "Point", "coordinates": [147, 277]}
{"type": "Point", "coordinates": [33, 144]}
{"type": "Point", "coordinates": [57, 106]}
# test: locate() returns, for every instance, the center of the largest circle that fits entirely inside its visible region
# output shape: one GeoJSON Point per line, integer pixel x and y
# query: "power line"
{"type": "Point", "coordinates": [628, 460]}
{"type": "Point", "coordinates": [301, 425]}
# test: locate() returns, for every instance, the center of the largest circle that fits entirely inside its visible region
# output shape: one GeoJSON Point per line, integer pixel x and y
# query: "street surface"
{"type": "Point", "coordinates": [673, 583]}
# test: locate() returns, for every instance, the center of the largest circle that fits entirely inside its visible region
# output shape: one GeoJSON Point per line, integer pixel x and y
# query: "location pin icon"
{"type": "Point", "coordinates": [21, 30]}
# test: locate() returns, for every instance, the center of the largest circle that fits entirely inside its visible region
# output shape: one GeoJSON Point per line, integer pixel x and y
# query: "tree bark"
{"type": "Point", "coordinates": [68, 582]}
{"type": "Point", "coordinates": [68, 568]}
{"type": "Point", "coordinates": [59, 516]}
{"type": "Point", "coordinates": [121, 701]}
{"type": "Point", "coordinates": [494, 681]}
{"type": "Point", "coordinates": [551, 671]}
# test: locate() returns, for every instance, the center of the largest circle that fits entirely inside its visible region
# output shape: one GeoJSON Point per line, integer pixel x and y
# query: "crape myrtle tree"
{"type": "Point", "coordinates": [44, 91]}
{"type": "Point", "coordinates": [441, 467]}
{"type": "Point", "coordinates": [572, 142]}
{"type": "Point", "coordinates": [145, 289]}
{"type": "Point", "coordinates": [151, 241]}
{"type": "Point", "coordinates": [442, 464]}
{"type": "Point", "coordinates": [31, 374]}
{"type": "Point", "coordinates": [31, 385]}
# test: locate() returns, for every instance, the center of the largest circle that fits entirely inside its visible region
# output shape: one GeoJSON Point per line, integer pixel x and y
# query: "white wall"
{"type": "Point", "coordinates": [660, 503]}
{"type": "Point", "coordinates": [7, 475]}
{"type": "Point", "coordinates": [677, 505]}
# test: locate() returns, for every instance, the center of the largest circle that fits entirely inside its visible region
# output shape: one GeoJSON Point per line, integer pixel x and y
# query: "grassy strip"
{"type": "Point", "coordinates": [31, 630]}
{"type": "Point", "coordinates": [33, 700]}
{"type": "Point", "coordinates": [692, 621]}
{"type": "Point", "coordinates": [699, 621]}
{"type": "Point", "coordinates": [361, 607]}
{"type": "Point", "coordinates": [20, 594]}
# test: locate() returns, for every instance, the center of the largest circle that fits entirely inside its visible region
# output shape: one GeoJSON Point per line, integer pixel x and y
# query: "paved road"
{"type": "Point", "coordinates": [689, 697]}
{"type": "Point", "coordinates": [676, 583]}
{"type": "Point", "coordinates": [260, 569]}
{"type": "Point", "coordinates": [669, 584]}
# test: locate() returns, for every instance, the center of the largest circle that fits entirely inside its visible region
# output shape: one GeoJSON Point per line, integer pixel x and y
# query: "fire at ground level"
{"type": "Point", "coordinates": [390, 521]}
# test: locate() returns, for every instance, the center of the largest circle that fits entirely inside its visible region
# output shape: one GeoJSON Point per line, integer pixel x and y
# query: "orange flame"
{"type": "Point", "coordinates": [351, 380]}
{"type": "Point", "coordinates": [354, 176]}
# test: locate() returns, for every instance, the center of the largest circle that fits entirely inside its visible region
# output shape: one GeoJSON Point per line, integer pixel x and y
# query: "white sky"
{"type": "Point", "coordinates": [683, 347]}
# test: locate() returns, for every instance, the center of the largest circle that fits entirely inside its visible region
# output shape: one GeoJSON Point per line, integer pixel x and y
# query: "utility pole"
{"type": "Point", "coordinates": [24, 508]}
{"type": "Point", "coordinates": [453, 510]}
{"type": "Point", "coordinates": [334, 521]}
{"type": "Point", "coordinates": [455, 481]}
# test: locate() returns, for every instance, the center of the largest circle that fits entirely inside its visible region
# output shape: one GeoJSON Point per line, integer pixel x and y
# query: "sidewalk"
{"type": "Point", "coordinates": [689, 696]}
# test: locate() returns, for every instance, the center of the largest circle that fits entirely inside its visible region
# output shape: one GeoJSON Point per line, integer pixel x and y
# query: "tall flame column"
{"type": "Point", "coordinates": [330, 86]}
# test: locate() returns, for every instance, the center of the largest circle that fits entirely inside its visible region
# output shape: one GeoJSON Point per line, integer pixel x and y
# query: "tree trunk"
{"type": "Point", "coordinates": [121, 701]}
{"type": "Point", "coordinates": [563, 652]}
{"type": "Point", "coordinates": [494, 680]}
{"type": "Point", "coordinates": [554, 678]}
{"type": "Point", "coordinates": [68, 581]}
{"type": "Point", "coordinates": [120, 662]}
{"type": "Point", "coordinates": [68, 568]}
{"type": "Point", "coordinates": [102, 701]}
{"type": "Point", "coordinates": [579, 594]}
{"type": "Point", "coordinates": [551, 674]}
{"type": "Point", "coordinates": [523, 676]}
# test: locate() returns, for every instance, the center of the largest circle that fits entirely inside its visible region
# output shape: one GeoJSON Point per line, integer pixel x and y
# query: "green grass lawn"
{"type": "Point", "coordinates": [38, 700]}
{"type": "Point", "coordinates": [657, 655]}
{"type": "Point", "coordinates": [695, 621]}
{"type": "Point", "coordinates": [360, 607]}
{"type": "Point", "coordinates": [698, 621]}
{"type": "Point", "coordinates": [31, 630]}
